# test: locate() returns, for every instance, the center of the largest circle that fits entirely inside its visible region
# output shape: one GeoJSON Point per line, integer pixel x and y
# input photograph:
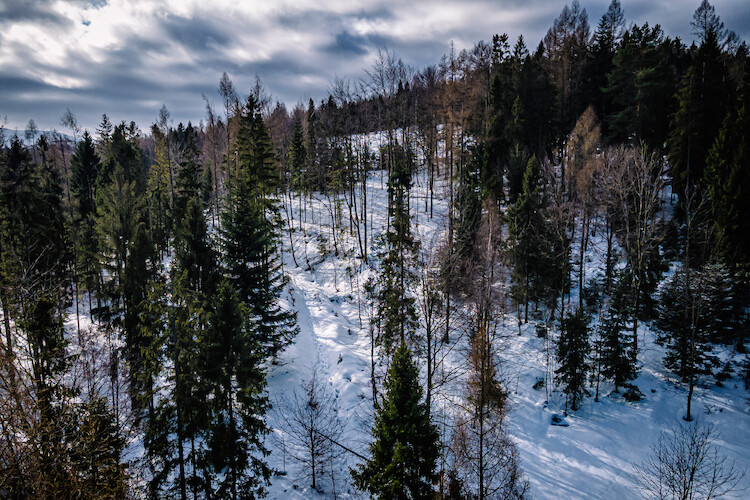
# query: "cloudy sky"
{"type": "Point", "coordinates": [128, 57]}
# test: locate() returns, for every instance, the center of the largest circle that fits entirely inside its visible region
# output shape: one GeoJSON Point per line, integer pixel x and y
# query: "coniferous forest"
{"type": "Point", "coordinates": [435, 282]}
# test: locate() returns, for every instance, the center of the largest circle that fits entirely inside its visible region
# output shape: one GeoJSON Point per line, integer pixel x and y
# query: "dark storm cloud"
{"type": "Point", "coordinates": [127, 57]}
{"type": "Point", "coordinates": [33, 10]}
{"type": "Point", "coordinates": [195, 34]}
{"type": "Point", "coordinates": [346, 44]}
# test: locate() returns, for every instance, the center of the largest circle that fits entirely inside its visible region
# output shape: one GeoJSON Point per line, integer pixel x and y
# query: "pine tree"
{"type": "Point", "coordinates": [405, 450]}
{"type": "Point", "coordinates": [572, 355]}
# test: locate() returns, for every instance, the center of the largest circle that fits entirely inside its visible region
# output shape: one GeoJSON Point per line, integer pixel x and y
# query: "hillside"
{"type": "Point", "coordinates": [593, 458]}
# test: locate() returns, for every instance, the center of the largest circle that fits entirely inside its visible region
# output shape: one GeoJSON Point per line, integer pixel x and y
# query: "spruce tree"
{"type": "Point", "coordinates": [727, 182]}
{"type": "Point", "coordinates": [405, 450]}
{"type": "Point", "coordinates": [119, 209]}
{"type": "Point", "coordinates": [572, 355]}
{"type": "Point", "coordinates": [187, 183]}
{"type": "Point", "coordinates": [298, 157]}
{"type": "Point", "coordinates": [84, 167]}
{"type": "Point", "coordinates": [525, 223]}
{"type": "Point", "coordinates": [685, 321]}
{"type": "Point", "coordinates": [230, 366]}
{"type": "Point", "coordinates": [158, 193]}
{"type": "Point", "coordinates": [703, 99]}
{"type": "Point", "coordinates": [639, 88]}
{"type": "Point", "coordinates": [396, 307]}
{"type": "Point", "coordinates": [606, 42]}
{"type": "Point", "coordinates": [250, 233]}
{"type": "Point", "coordinates": [468, 206]}
{"type": "Point", "coordinates": [617, 363]}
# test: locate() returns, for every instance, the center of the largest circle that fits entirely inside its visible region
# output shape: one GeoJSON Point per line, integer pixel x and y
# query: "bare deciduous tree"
{"type": "Point", "coordinates": [633, 180]}
{"type": "Point", "coordinates": [687, 464]}
{"type": "Point", "coordinates": [310, 422]}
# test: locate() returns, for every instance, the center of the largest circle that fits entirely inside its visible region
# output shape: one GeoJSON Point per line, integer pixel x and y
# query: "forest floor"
{"type": "Point", "coordinates": [593, 458]}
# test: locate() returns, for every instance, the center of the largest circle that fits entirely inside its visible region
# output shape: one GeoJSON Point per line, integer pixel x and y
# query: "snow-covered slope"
{"type": "Point", "coordinates": [592, 458]}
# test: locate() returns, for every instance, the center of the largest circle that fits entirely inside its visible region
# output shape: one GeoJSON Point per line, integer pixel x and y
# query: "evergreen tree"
{"type": "Point", "coordinates": [193, 252]}
{"type": "Point", "coordinates": [139, 270]}
{"type": "Point", "coordinates": [187, 182]}
{"type": "Point", "coordinates": [469, 207]}
{"type": "Point", "coordinates": [537, 101]}
{"type": "Point", "coordinates": [250, 236]}
{"type": "Point", "coordinates": [298, 157]}
{"type": "Point", "coordinates": [703, 99]}
{"type": "Point", "coordinates": [96, 451]}
{"type": "Point", "coordinates": [158, 193]}
{"type": "Point", "coordinates": [207, 186]}
{"type": "Point", "coordinates": [152, 409]}
{"type": "Point", "coordinates": [104, 131]}
{"type": "Point", "coordinates": [397, 309]}
{"type": "Point", "coordinates": [43, 327]}
{"type": "Point", "coordinates": [84, 167]}
{"type": "Point", "coordinates": [525, 222]}
{"type": "Point", "coordinates": [118, 214]}
{"type": "Point", "coordinates": [606, 41]}
{"type": "Point", "coordinates": [639, 88]}
{"type": "Point", "coordinates": [31, 209]}
{"type": "Point", "coordinates": [616, 359]}
{"type": "Point", "coordinates": [685, 320]}
{"type": "Point", "coordinates": [727, 182]}
{"type": "Point", "coordinates": [231, 369]}
{"type": "Point", "coordinates": [572, 355]}
{"type": "Point", "coordinates": [405, 450]}
{"type": "Point", "coordinates": [256, 155]}
{"type": "Point", "coordinates": [123, 149]}
{"type": "Point", "coordinates": [498, 143]}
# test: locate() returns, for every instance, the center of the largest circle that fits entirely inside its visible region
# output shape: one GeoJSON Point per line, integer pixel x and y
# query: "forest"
{"type": "Point", "coordinates": [331, 301]}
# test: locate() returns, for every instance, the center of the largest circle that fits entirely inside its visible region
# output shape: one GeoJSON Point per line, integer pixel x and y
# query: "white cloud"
{"type": "Point", "coordinates": [103, 54]}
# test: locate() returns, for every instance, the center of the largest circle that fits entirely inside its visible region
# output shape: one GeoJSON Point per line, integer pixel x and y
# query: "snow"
{"type": "Point", "coordinates": [593, 458]}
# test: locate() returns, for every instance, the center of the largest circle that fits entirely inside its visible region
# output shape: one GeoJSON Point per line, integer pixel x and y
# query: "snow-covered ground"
{"type": "Point", "coordinates": [593, 458]}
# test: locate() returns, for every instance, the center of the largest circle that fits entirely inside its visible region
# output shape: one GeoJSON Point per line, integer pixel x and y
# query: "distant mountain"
{"type": "Point", "coordinates": [10, 133]}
